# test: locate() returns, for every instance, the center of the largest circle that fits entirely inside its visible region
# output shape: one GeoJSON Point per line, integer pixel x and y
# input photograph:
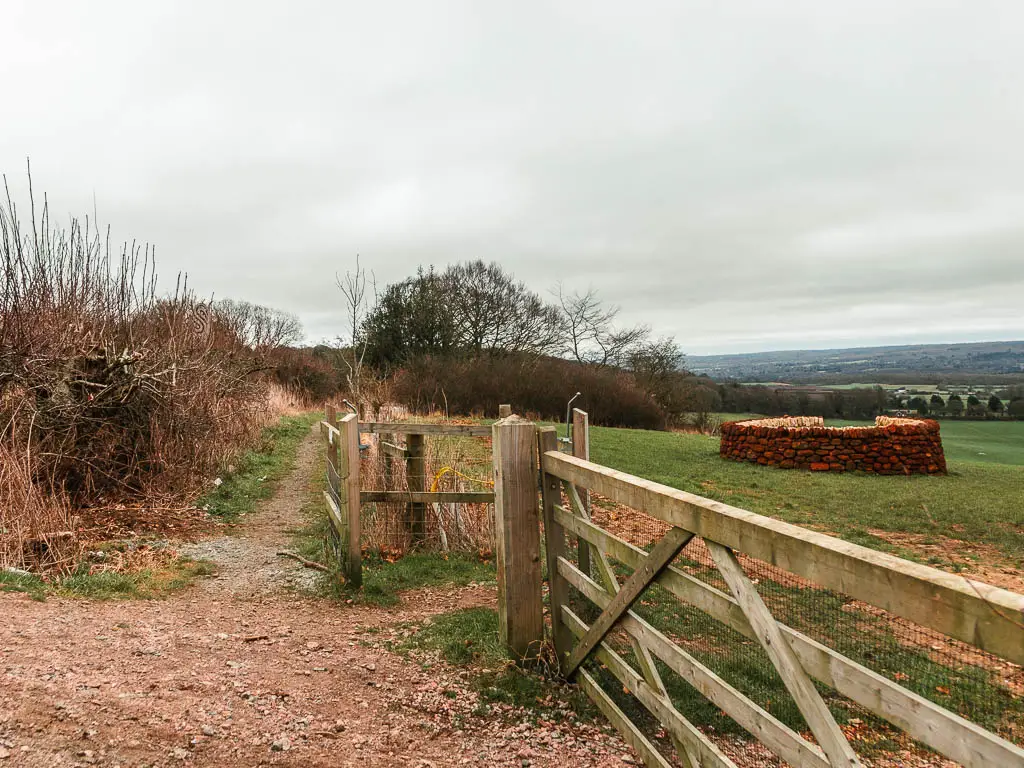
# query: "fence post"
{"type": "Point", "coordinates": [504, 411]}
{"type": "Point", "coordinates": [332, 455]}
{"type": "Point", "coordinates": [581, 450]}
{"type": "Point", "coordinates": [389, 460]}
{"type": "Point", "coordinates": [416, 470]}
{"type": "Point", "coordinates": [349, 427]}
{"type": "Point", "coordinates": [554, 540]}
{"type": "Point", "coordinates": [517, 536]}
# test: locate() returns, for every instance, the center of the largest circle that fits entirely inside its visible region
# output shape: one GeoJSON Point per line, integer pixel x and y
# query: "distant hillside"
{"type": "Point", "coordinates": [995, 361]}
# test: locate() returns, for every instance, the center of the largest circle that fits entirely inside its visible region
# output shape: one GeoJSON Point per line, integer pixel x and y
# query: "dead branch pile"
{"type": "Point", "coordinates": [108, 390]}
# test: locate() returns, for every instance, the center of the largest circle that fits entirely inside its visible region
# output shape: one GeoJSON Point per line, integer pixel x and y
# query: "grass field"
{"type": "Point", "coordinates": [969, 521]}
{"type": "Point", "coordinates": [991, 442]}
{"type": "Point", "coordinates": [988, 442]}
{"type": "Point", "coordinates": [981, 501]}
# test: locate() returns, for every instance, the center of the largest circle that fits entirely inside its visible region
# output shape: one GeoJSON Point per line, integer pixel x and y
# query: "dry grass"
{"type": "Point", "coordinates": [283, 400]}
{"type": "Point", "coordinates": [453, 463]}
{"type": "Point", "coordinates": [35, 523]}
{"type": "Point", "coordinates": [128, 397]}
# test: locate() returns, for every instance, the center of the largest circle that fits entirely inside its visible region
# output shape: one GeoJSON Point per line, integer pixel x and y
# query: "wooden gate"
{"type": "Point", "coordinates": [344, 494]}
{"type": "Point", "coordinates": [987, 618]}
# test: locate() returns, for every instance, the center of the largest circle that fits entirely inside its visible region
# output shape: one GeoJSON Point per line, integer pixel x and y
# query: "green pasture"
{"type": "Point", "coordinates": [980, 501]}
{"type": "Point", "coordinates": [989, 442]}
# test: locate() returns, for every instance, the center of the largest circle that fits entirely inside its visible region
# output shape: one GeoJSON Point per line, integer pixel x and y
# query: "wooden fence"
{"type": "Point", "coordinates": [986, 617]}
{"type": "Point", "coordinates": [341, 494]}
{"type": "Point", "coordinates": [344, 494]}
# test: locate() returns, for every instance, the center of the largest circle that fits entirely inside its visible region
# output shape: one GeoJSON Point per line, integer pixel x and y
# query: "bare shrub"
{"type": "Point", "coordinates": [532, 385]}
{"type": "Point", "coordinates": [287, 400]}
{"type": "Point", "coordinates": [705, 423]}
{"type": "Point", "coordinates": [302, 370]}
{"type": "Point", "coordinates": [35, 523]}
{"type": "Point", "coordinates": [119, 391]}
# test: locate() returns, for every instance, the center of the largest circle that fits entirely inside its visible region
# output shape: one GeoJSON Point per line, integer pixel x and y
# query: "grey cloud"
{"type": "Point", "coordinates": [743, 176]}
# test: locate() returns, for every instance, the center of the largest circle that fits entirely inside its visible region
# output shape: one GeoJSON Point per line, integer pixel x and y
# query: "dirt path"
{"type": "Point", "coordinates": [241, 670]}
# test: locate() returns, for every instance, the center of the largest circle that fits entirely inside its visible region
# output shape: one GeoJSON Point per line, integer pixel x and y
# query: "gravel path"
{"type": "Point", "coordinates": [244, 670]}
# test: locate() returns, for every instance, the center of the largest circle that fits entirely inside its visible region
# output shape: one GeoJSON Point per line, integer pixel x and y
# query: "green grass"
{"type": "Point", "coordinates": [28, 584]}
{"type": "Point", "coordinates": [258, 470]}
{"type": "Point", "coordinates": [973, 692]}
{"type": "Point", "coordinates": [985, 442]}
{"type": "Point", "coordinates": [977, 502]}
{"type": "Point", "coordinates": [469, 638]}
{"type": "Point", "coordinates": [147, 584]}
{"type": "Point", "coordinates": [383, 581]}
{"type": "Point", "coordinates": [989, 442]}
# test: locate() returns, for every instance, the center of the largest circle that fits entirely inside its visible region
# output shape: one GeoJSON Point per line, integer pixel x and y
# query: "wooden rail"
{"type": "Point", "coordinates": [944, 731]}
{"type": "Point", "coordinates": [429, 497]}
{"type": "Point", "coordinates": [409, 428]}
{"type": "Point", "coordinates": [985, 616]}
{"type": "Point", "coordinates": [394, 451]}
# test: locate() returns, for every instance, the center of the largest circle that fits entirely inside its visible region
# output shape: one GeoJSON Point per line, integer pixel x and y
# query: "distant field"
{"type": "Point", "coordinates": [998, 361]}
{"type": "Point", "coordinates": [989, 442]}
{"type": "Point", "coordinates": [997, 442]}
{"type": "Point", "coordinates": [737, 416]}
{"type": "Point", "coordinates": [888, 387]}
{"type": "Point", "coordinates": [981, 502]}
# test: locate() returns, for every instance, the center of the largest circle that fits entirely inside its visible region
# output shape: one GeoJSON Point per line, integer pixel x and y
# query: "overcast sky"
{"type": "Point", "coordinates": [742, 175]}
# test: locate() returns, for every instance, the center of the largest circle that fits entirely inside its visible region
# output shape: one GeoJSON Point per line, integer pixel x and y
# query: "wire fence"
{"type": "Point", "coordinates": [978, 686]}
{"type": "Point", "coordinates": [450, 463]}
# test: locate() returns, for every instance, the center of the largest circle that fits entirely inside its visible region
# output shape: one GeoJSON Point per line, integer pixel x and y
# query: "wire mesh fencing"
{"type": "Point", "coordinates": [980, 687]}
{"type": "Point", "coordinates": [448, 463]}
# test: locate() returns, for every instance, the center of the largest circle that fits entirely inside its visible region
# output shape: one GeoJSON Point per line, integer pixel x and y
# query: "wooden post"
{"type": "Point", "coordinates": [333, 471]}
{"type": "Point", "coordinates": [581, 450]}
{"type": "Point", "coordinates": [799, 684]}
{"type": "Point", "coordinates": [389, 460]}
{"type": "Point", "coordinates": [554, 540]}
{"type": "Point", "coordinates": [504, 411]}
{"type": "Point", "coordinates": [349, 427]}
{"type": "Point", "coordinates": [517, 536]}
{"type": "Point", "coordinates": [416, 470]}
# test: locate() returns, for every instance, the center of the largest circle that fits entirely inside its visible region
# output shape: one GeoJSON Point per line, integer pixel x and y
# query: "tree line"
{"type": "Point", "coordinates": [467, 337]}
{"type": "Point", "coordinates": [464, 337]}
{"type": "Point", "coordinates": [974, 407]}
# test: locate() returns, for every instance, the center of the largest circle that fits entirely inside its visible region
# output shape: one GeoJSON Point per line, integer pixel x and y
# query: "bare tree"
{"type": "Point", "coordinates": [360, 292]}
{"type": "Point", "coordinates": [493, 312]}
{"type": "Point", "coordinates": [260, 328]}
{"type": "Point", "coordinates": [589, 332]}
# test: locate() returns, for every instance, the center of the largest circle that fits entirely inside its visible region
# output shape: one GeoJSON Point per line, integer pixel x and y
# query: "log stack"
{"type": "Point", "coordinates": [891, 447]}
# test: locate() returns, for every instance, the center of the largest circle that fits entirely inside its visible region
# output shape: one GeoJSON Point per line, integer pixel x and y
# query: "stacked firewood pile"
{"type": "Point", "coordinates": [891, 447]}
